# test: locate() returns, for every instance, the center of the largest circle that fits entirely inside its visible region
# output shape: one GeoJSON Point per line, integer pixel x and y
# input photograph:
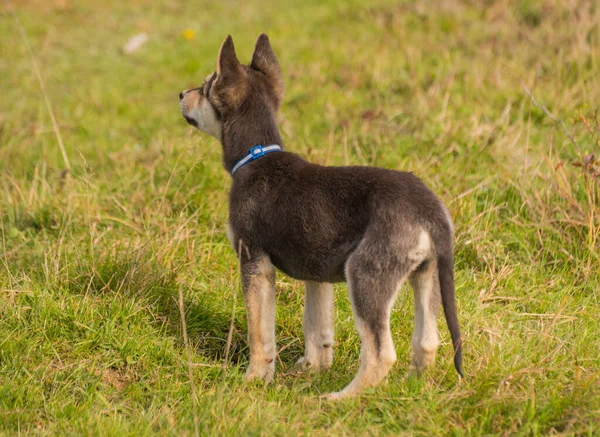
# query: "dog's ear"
{"type": "Point", "coordinates": [265, 61]}
{"type": "Point", "coordinates": [230, 75]}
{"type": "Point", "coordinates": [227, 62]}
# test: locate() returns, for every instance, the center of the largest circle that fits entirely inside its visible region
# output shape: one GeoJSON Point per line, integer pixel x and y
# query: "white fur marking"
{"type": "Point", "coordinates": [206, 117]}
{"type": "Point", "coordinates": [423, 249]}
{"type": "Point", "coordinates": [425, 340]}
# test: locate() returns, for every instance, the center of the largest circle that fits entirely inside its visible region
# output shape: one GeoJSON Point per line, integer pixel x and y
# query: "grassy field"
{"type": "Point", "coordinates": [92, 259]}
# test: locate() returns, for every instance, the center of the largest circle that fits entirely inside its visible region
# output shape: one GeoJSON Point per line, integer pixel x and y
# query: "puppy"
{"type": "Point", "coordinates": [370, 227]}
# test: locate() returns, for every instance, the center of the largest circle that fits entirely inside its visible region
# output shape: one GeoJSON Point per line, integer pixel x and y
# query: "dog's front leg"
{"type": "Point", "coordinates": [258, 282]}
{"type": "Point", "coordinates": [317, 327]}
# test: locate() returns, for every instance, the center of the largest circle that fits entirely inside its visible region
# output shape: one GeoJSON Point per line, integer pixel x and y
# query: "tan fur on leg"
{"type": "Point", "coordinates": [375, 362]}
{"type": "Point", "coordinates": [318, 327]}
{"type": "Point", "coordinates": [259, 296]}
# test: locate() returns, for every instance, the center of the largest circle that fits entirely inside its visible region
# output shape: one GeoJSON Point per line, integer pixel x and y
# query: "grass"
{"type": "Point", "coordinates": [92, 260]}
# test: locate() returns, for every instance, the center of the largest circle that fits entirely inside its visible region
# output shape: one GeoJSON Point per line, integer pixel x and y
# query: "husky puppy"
{"type": "Point", "coordinates": [370, 227]}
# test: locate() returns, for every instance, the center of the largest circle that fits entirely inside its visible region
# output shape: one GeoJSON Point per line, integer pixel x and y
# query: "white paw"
{"type": "Point", "coordinates": [335, 396]}
{"type": "Point", "coordinates": [316, 362]}
{"type": "Point", "coordinates": [308, 365]}
{"type": "Point", "coordinates": [303, 364]}
{"type": "Point", "coordinates": [265, 373]}
{"type": "Point", "coordinates": [312, 366]}
{"type": "Point", "coordinates": [421, 360]}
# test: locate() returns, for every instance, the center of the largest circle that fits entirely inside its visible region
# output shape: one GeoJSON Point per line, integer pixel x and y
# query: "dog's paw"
{"type": "Point", "coordinates": [312, 366]}
{"type": "Point", "coordinates": [421, 361]}
{"type": "Point", "coordinates": [303, 365]}
{"type": "Point", "coordinates": [316, 362]}
{"type": "Point", "coordinates": [265, 374]}
{"type": "Point", "coordinates": [335, 396]}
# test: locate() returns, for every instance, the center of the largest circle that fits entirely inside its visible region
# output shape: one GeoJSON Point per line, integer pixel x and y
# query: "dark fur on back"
{"type": "Point", "coordinates": [316, 216]}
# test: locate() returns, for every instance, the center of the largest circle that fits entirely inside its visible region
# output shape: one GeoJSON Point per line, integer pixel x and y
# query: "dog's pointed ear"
{"type": "Point", "coordinates": [230, 83]}
{"type": "Point", "coordinates": [227, 62]}
{"type": "Point", "coordinates": [265, 61]}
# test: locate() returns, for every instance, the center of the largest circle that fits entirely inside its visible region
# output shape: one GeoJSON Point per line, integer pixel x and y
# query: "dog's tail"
{"type": "Point", "coordinates": [445, 261]}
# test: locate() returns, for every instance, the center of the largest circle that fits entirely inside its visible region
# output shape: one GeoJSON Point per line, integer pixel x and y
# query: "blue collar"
{"type": "Point", "coordinates": [255, 153]}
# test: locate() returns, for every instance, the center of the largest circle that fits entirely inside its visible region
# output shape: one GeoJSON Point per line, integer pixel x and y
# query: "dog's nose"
{"type": "Point", "coordinates": [181, 95]}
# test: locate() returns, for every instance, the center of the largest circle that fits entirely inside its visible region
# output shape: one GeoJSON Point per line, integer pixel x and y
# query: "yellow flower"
{"type": "Point", "coordinates": [189, 34]}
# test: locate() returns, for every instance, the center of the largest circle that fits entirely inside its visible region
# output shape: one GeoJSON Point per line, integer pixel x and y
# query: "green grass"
{"type": "Point", "coordinates": [91, 261]}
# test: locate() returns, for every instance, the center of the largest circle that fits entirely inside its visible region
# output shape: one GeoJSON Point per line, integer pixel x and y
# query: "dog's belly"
{"type": "Point", "coordinates": [310, 271]}
{"type": "Point", "coordinates": [310, 264]}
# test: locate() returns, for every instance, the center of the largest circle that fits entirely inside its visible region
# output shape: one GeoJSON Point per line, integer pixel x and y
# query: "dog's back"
{"type": "Point", "coordinates": [310, 218]}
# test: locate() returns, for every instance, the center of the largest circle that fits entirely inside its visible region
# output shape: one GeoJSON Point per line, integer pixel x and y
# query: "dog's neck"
{"type": "Point", "coordinates": [246, 130]}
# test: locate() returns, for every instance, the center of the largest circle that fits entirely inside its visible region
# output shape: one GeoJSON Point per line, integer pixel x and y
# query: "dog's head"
{"type": "Point", "coordinates": [234, 86]}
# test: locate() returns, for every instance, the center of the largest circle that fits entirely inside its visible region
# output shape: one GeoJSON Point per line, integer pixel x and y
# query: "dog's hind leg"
{"type": "Point", "coordinates": [372, 288]}
{"type": "Point", "coordinates": [318, 327]}
{"type": "Point", "coordinates": [258, 282]}
{"type": "Point", "coordinates": [426, 287]}
{"type": "Point", "coordinates": [372, 299]}
{"type": "Point", "coordinates": [374, 273]}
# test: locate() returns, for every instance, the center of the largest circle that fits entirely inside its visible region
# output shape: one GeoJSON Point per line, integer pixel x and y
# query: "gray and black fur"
{"type": "Point", "coordinates": [370, 227]}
